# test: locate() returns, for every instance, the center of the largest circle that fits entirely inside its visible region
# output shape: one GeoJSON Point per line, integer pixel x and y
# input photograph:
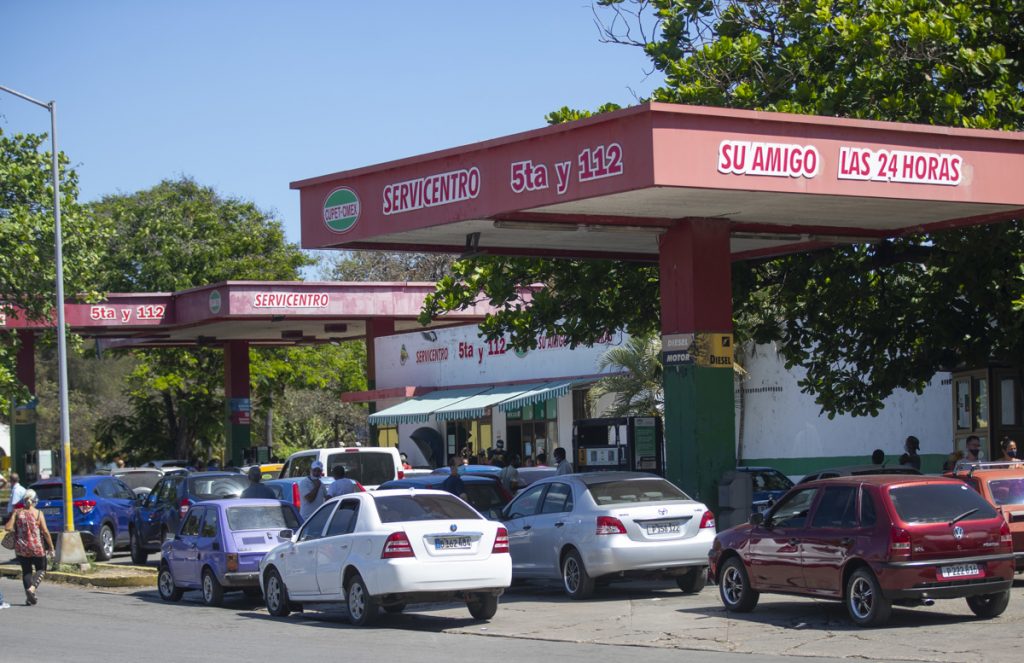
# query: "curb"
{"type": "Point", "coordinates": [137, 577]}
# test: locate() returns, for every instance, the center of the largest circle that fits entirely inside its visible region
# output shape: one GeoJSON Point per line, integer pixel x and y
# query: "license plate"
{"type": "Point", "coordinates": [451, 543]}
{"type": "Point", "coordinates": [662, 528]}
{"type": "Point", "coordinates": [51, 510]}
{"type": "Point", "coordinates": [959, 570]}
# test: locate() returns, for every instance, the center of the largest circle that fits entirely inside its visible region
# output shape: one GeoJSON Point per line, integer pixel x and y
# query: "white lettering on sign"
{"type": "Point", "coordinates": [602, 161]}
{"type": "Point", "coordinates": [594, 163]}
{"type": "Point", "coordinates": [291, 300]}
{"type": "Point", "coordinates": [527, 176]}
{"type": "Point", "coordinates": [742, 157]}
{"type": "Point", "coordinates": [432, 191]}
{"type": "Point", "coordinates": [861, 163]}
{"type": "Point", "coordinates": [102, 313]}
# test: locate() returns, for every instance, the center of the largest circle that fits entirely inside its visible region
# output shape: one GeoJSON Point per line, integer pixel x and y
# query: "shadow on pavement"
{"type": "Point", "coordinates": [828, 615]}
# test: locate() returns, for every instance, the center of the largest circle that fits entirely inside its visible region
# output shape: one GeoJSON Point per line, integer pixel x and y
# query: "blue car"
{"type": "Point", "coordinates": [768, 486]}
{"type": "Point", "coordinates": [219, 547]}
{"type": "Point", "coordinates": [483, 493]}
{"type": "Point", "coordinates": [103, 506]}
{"type": "Point", "coordinates": [160, 512]}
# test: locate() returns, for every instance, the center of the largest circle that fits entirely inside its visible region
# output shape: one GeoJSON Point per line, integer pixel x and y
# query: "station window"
{"type": "Point", "coordinates": [387, 436]}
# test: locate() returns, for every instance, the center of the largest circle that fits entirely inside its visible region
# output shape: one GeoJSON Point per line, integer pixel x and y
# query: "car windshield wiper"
{"type": "Point", "coordinates": [961, 517]}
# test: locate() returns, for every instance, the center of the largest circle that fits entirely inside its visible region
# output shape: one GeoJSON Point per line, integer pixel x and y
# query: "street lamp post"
{"type": "Point", "coordinates": [69, 548]}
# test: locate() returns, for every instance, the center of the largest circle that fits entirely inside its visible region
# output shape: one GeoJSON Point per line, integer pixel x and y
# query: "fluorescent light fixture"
{"type": "Point", "coordinates": [536, 226]}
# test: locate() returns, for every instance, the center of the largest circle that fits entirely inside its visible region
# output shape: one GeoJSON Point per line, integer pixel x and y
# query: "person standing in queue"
{"type": "Point", "coordinates": [341, 485]}
{"type": "Point", "coordinates": [454, 483]}
{"type": "Point", "coordinates": [17, 494]}
{"type": "Point", "coordinates": [974, 452]}
{"type": "Point", "coordinates": [255, 489]}
{"type": "Point", "coordinates": [1009, 448]}
{"type": "Point", "coordinates": [312, 490]}
{"type": "Point", "coordinates": [562, 465]}
{"type": "Point", "coordinates": [910, 456]}
{"type": "Point", "coordinates": [31, 542]}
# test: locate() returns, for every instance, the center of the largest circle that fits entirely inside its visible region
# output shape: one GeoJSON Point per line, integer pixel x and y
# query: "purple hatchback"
{"type": "Point", "coordinates": [219, 545]}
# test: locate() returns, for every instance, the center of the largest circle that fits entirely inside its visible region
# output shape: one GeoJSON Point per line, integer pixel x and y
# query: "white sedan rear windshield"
{"type": "Point", "coordinates": [937, 503]}
{"type": "Point", "coordinates": [410, 508]}
{"type": "Point", "coordinates": [635, 490]}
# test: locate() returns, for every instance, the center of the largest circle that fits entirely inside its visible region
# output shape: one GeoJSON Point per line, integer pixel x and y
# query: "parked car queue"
{"type": "Point", "coordinates": [871, 541]}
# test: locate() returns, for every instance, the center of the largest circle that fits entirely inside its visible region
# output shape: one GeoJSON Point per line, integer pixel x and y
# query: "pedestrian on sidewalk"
{"type": "Point", "coordinates": [31, 542]}
{"type": "Point", "coordinates": [17, 494]}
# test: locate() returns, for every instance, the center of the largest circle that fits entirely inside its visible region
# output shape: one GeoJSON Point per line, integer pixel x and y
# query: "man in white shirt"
{"type": "Point", "coordinates": [17, 493]}
{"type": "Point", "coordinates": [312, 490]}
{"type": "Point", "coordinates": [563, 466]}
{"type": "Point", "coordinates": [341, 485]}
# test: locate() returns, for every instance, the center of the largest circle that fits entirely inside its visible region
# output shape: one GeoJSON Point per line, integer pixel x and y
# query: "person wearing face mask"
{"type": "Point", "coordinates": [1009, 451]}
{"type": "Point", "coordinates": [974, 453]}
{"type": "Point", "coordinates": [312, 490]}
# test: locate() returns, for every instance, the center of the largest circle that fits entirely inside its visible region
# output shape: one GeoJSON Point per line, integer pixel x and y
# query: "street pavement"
{"type": "Point", "coordinates": [648, 619]}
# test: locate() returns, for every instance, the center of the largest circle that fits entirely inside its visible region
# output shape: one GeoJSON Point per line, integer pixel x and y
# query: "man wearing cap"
{"type": "Point", "coordinates": [256, 489]}
{"type": "Point", "coordinates": [312, 490]}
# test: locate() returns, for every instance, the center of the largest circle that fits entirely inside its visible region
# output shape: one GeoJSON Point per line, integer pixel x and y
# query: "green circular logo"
{"type": "Point", "coordinates": [215, 302]}
{"type": "Point", "coordinates": [341, 210]}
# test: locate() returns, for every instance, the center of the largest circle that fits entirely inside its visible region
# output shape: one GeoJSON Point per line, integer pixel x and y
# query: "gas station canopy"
{"type": "Point", "coordinates": [610, 185]}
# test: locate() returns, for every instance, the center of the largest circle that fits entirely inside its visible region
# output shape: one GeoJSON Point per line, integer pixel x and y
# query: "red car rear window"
{"type": "Point", "coordinates": [936, 503]}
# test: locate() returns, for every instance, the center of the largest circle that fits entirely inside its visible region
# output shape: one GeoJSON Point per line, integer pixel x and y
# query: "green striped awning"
{"type": "Point", "coordinates": [541, 392]}
{"type": "Point", "coordinates": [418, 410]}
{"type": "Point", "coordinates": [474, 407]}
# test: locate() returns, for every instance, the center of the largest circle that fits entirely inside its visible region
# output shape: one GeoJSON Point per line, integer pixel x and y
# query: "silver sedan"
{"type": "Point", "coordinates": [596, 527]}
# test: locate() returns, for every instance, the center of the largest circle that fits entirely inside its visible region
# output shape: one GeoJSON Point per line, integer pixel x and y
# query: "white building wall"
{"type": "Point", "coordinates": [780, 422]}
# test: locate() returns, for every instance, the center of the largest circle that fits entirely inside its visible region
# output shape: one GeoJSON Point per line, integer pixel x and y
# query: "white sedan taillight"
{"type": "Point", "coordinates": [397, 545]}
{"type": "Point", "coordinates": [609, 525]}
{"type": "Point", "coordinates": [707, 520]}
{"type": "Point", "coordinates": [500, 541]}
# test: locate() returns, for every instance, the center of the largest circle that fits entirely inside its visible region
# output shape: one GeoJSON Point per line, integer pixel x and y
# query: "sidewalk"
{"type": "Point", "coordinates": [104, 575]}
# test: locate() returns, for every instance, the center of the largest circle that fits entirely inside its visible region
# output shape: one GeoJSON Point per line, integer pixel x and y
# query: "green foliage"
{"type": "Point", "coordinates": [863, 320]}
{"type": "Point", "coordinates": [27, 266]}
{"type": "Point", "coordinates": [385, 266]}
{"type": "Point", "coordinates": [174, 236]}
{"type": "Point", "coordinates": [637, 385]}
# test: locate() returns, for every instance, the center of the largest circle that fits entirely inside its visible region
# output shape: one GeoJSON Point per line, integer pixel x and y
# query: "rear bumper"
{"type": "Point", "coordinates": [411, 576]}
{"type": "Point", "coordinates": [920, 579]}
{"type": "Point", "coordinates": [648, 558]}
{"type": "Point", "coordinates": [247, 579]}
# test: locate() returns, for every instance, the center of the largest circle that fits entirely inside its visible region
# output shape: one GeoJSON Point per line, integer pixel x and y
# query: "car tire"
{"type": "Point", "coordinates": [362, 608]}
{"type": "Point", "coordinates": [575, 580]}
{"type": "Point", "coordinates": [482, 606]}
{"type": "Point", "coordinates": [734, 587]}
{"type": "Point", "coordinates": [275, 594]}
{"type": "Point", "coordinates": [165, 585]}
{"type": "Point", "coordinates": [988, 606]}
{"type": "Point", "coordinates": [394, 608]}
{"type": "Point", "coordinates": [105, 544]}
{"type": "Point", "coordinates": [694, 581]}
{"type": "Point", "coordinates": [139, 555]}
{"type": "Point", "coordinates": [864, 600]}
{"type": "Point", "coordinates": [213, 591]}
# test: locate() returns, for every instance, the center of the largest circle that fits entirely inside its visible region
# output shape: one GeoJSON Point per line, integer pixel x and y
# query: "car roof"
{"type": "Point", "coordinates": [756, 468]}
{"type": "Point", "coordinates": [850, 470]}
{"type": "Point", "coordinates": [436, 480]}
{"type": "Point", "coordinates": [994, 473]}
{"type": "Point", "coordinates": [882, 480]}
{"type": "Point", "coordinates": [595, 478]}
{"type": "Point", "coordinates": [239, 501]}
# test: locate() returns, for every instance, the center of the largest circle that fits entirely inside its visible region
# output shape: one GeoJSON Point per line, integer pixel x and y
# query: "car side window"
{"type": "Point", "coordinates": [123, 491]}
{"type": "Point", "coordinates": [300, 465]}
{"type": "Point", "coordinates": [191, 525]}
{"type": "Point", "coordinates": [344, 520]}
{"type": "Point", "coordinates": [526, 504]}
{"type": "Point", "coordinates": [792, 511]}
{"type": "Point", "coordinates": [169, 492]}
{"type": "Point", "coordinates": [211, 524]}
{"type": "Point", "coordinates": [105, 489]}
{"type": "Point", "coordinates": [868, 517]}
{"type": "Point", "coordinates": [558, 499]}
{"type": "Point", "coordinates": [314, 527]}
{"type": "Point", "coordinates": [837, 507]}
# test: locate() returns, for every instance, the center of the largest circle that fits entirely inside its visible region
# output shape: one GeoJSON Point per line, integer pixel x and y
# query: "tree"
{"type": "Point", "coordinates": [636, 386]}
{"type": "Point", "coordinates": [864, 320]}
{"type": "Point", "coordinates": [174, 236]}
{"type": "Point", "coordinates": [385, 266]}
{"type": "Point", "coordinates": [27, 267]}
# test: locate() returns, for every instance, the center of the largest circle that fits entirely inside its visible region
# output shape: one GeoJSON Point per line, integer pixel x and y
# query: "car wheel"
{"type": "Point", "coordinates": [577, 582]}
{"type": "Point", "coordinates": [482, 606]}
{"type": "Point", "coordinates": [165, 585]}
{"type": "Point", "coordinates": [734, 587]}
{"type": "Point", "coordinates": [105, 544]}
{"type": "Point", "coordinates": [139, 555]}
{"type": "Point", "coordinates": [864, 600]}
{"type": "Point", "coordinates": [394, 608]}
{"type": "Point", "coordinates": [988, 606]}
{"type": "Point", "coordinates": [362, 608]}
{"type": "Point", "coordinates": [213, 591]}
{"type": "Point", "coordinates": [276, 595]}
{"type": "Point", "coordinates": [694, 581]}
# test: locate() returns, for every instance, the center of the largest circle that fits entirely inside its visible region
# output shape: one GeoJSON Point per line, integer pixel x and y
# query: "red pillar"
{"type": "Point", "coordinates": [696, 324]}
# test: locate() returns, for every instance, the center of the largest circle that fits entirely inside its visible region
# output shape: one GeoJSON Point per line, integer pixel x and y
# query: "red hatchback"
{"type": "Point", "coordinates": [871, 542]}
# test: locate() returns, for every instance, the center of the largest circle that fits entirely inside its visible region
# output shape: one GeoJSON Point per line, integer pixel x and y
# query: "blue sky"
{"type": "Point", "coordinates": [249, 96]}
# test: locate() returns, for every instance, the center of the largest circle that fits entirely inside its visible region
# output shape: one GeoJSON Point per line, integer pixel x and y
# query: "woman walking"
{"type": "Point", "coordinates": [30, 534]}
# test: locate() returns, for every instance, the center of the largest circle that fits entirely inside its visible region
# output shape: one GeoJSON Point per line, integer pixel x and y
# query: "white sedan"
{"type": "Point", "coordinates": [387, 549]}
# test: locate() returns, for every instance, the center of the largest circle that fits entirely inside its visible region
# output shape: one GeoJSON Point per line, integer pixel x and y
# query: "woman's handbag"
{"type": "Point", "coordinates": [8, 541]}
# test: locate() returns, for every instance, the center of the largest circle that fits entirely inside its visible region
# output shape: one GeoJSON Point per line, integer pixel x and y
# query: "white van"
{"type": "Point", "coordinates": [370, 466]}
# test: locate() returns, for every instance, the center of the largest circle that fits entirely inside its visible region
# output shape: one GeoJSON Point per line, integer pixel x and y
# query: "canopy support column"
{"type": "Point", "coordinates": [238, 428]}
